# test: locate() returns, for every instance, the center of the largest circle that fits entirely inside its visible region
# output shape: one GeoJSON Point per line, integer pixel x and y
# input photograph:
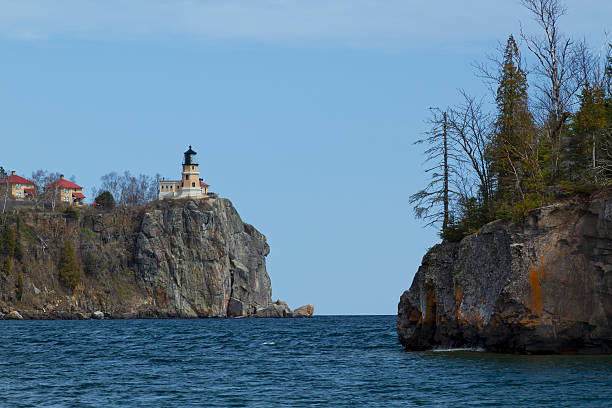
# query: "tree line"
{"type": "Point", "coordinates": [123, 189]}
{"type": "Point", "coordinates": [545, 132]}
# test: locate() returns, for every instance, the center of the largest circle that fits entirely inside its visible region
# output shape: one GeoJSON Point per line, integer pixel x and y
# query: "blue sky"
{"type": "Point", "coordinates": [303, 113]}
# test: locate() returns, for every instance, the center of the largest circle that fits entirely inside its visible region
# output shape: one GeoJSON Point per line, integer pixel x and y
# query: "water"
{"type": "Point", "coordinates": [325, 361]}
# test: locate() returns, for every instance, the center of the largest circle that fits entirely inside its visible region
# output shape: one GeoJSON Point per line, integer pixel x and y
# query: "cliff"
{"type": "Point", "coordinates": [181, 258]}
{"type": "Point", "coordinates": [543, 286]}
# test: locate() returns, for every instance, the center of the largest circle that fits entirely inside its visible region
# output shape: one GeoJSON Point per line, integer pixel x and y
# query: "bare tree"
{"type": "Point", "coordinates": [130, 190]}
{"type": "Point", "coordinates": [471, 129]}
{"type": "Point", "coordinates": [45, 195]}
{"type": "Point", "coordinates": [112, 182]}
{"type": "Point", "coordinates": [558, 69]}
{"type": "Point", "coordinates": [603, 161]}
{"type": "Point", "coordinates": [434, 201]}
{"type": "Point", "coordinates": [4, 188]}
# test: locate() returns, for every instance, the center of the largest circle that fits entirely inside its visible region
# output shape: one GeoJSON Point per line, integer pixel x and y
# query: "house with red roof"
{"type": "Point", "coordinates": [68, 192]}
{"type": "Point", "coordinates": [19, 188]}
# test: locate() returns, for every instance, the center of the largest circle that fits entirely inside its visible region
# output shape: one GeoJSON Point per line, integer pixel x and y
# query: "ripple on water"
{"type": "Point", "coordinates": [324, 361]}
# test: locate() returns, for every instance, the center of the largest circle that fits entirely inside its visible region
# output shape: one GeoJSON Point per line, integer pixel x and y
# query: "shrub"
{"type": "Point", "coordinates": [6, 268]}
{"type": "Point", "coordinates": [72, 213]}
{"type": "Point", "coordinates": [7, 241]}
{"type": "Point", "coordinates": [105, 200]}
{"type": "Point", "coordinates": [19, 289]}
{"type": "Point", "coordinates": [18, 252]}
{"type": "Point", "coordinates": [69, 268]}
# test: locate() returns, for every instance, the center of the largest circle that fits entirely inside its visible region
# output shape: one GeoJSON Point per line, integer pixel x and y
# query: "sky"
{"type": "Point", "coordinates": [303, 114]}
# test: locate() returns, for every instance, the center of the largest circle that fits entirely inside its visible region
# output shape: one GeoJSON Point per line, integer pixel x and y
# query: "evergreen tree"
{"type": "Point", "coordinates": [18, 247]}
{"type": "Point", "coordinates": [105, 200]}
{"type": "Point", "coordinates": [19, 287]}
{"type": "Point", "coordinates": [513, 152]}
{"type": "Point", "coordinates": [7, 241]}
{"type": "Point", "coordinates": [586, 136]}
{"type": "Point", "coordinates": [69, 268]}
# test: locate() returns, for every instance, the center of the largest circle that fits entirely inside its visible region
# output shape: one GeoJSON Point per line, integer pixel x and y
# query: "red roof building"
{"type": "Point", "coordinates": [17, 186]}
{"type": "Point", "coordinates": [68, 191]}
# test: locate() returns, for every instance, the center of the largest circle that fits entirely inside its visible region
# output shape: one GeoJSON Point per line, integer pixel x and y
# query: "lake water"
{"type": "Point", "coordinates": [337, 361]}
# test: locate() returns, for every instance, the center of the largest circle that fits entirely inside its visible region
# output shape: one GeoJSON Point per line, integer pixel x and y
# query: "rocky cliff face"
{"type": "Point", "coordinates": [202, 260]}
{"type": "Point", "coordinates": [180, 258]}
{"type": "Point", "coordinates": [544, 286]}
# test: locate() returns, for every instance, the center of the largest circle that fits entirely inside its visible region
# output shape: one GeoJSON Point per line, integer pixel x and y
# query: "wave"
{"type": "Point", "coordinates": [449, 350]}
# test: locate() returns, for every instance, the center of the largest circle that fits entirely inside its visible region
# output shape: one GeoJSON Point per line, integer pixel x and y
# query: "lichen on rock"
{"type": "Point", "coordinates": [543, 286]}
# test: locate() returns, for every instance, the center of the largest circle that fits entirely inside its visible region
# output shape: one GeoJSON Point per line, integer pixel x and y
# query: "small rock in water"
{"type": "Point", "coordinates": [15, 315]}
{"type": "Point", "coordinates": [276, 309]}
{"type": "Point", "coordinates": [304, 311]}
{"type": "Point", "coordinates": [97, 315]}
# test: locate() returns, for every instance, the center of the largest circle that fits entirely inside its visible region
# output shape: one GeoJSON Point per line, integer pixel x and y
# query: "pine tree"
{"type": "Point", "coordinates": [18, 252]}
{"type": "Point", "coordinates": [513, 149]}
{"type": "Point", "coordinates": [69, 269]}
{"type": "Point", "coordinates": [105, 200]}
{"type": "Point", "coordinates": [19, 287]}
{"type": "Point", "coordinates": [585, 141]}
{"type": "Point", "coordinates": [7, 241]}
{"type": "Point", "coordinates": [433, 202]}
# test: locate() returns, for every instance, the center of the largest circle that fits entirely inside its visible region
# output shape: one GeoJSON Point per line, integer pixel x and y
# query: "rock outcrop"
{"type": "Point", "coordinates": [544, 286]}
{"type": "Point", "coordinates": [200, 259]}
{"type": "Point", "coordinates": [181, 258]}
{"type": "Point", "coordinates": [304, 311]}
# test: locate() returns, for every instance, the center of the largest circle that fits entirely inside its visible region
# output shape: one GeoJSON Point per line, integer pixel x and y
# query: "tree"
{"type": "Point", "coordinates": [4, 188]}
{"type": "Point", "coordinates": [433, 202]}
{"type": "Point", "coordinates": [588, 128]}
{"type": "Point", "coordinates": [6, 268]}
{"type": "Point", "coordinates": [69, 268]}
{"type": "Point", "coordinates": [470, 128]}
{"type": "Point", "coordinates": [130, 190]}
{"type": "Point", "coordinates": [513, 151]}
{"type": "Point", "coordinates": [18, 252]}
{"type": "Point", "coordinates": [7, 243]}
{"type": "Point", "coordinates": [558, 71]}
{"type": "Point", "coordinates": [105, 200]}
{"type": "Point", "coordinates": [45, 196]}
{"type": "Point", "coordinates": [19, 287]}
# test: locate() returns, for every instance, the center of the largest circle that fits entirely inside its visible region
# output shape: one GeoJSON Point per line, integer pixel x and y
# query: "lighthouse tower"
{"type": "Point", "coordinates": [190, 185]}
{"type": "Point", "coordinates": [190, 181]}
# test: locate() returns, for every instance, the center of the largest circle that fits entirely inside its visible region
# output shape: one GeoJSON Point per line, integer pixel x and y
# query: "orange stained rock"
{"type": "Point", "coordinates": [535, 276]}
{"type": "Point", "coordinates": [458, 300]}
{"type": "Point", "coordinates": [431, 306]}
{"type": "Point", "coordinates": [415, 316]}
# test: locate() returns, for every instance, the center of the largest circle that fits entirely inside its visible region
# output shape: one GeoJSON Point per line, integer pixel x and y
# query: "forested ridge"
{"type": "Point", "coordinates": [543, 133]}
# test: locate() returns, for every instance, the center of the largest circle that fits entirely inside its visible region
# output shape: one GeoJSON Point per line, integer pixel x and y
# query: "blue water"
{"type": "Point", "coordinates": [325, 361]}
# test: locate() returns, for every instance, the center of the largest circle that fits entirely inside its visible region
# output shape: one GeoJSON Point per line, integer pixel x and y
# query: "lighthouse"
{"type": "Point", "coordinates": [190, 185]}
